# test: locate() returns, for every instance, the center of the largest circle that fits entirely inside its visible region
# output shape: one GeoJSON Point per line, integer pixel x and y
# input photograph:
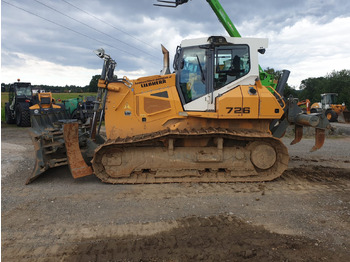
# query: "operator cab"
{"type": "Point", "coordinates": [24, 91]}
{"type": "Point", "coordinates": [20, 92]}
{"type": "Point", "coordinates": [208, 67]}
{"type": "Point", "coordinates": [21, 89]}
{"type": "Point", "coordinates": [328, 99]}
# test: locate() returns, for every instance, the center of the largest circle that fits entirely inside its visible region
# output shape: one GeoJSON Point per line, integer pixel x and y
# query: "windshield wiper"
{"type": "Point", "coordinates": [200, 67]}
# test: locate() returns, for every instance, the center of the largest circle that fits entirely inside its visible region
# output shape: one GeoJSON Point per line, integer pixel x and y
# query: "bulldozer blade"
{"type": "Point", "coordinates": [298, 134]}
{"type": "Point", "coordinates": [44, 144]}
{"type": "Point", "coordinates": [47, 139]}
{"type": "Point", "coordinates": [76, 162]}
{"type": "Point", "coordinates": [39, 166]}
{"type": "Point", "coordinates": [320, 136]}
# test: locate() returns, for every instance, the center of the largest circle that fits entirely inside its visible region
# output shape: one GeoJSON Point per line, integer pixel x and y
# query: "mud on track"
{"type": "Point", "coordinates": [302, 216]}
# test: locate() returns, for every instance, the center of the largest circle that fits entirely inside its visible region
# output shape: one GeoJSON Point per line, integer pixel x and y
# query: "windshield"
{"type": "Point", "coordinates": [193, 72]}
{"type": "Point", "coordinates": [329, 99]}
{"type": "Point", "coordinates": [24, 91]}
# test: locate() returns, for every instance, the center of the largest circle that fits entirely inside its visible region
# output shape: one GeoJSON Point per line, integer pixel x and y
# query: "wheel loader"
{"type": "Point", "coordinates": [214, 119]}
{"type": "Point", "coordinates": [334, 111]}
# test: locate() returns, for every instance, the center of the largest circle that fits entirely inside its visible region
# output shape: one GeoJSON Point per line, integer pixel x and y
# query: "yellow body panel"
{"type": "Point", "coordinates": [338, 108]}
{"type": "Point", "coordinates": [269, 107]}
{"type": "Point", "coordinates": [45, 105]}
{"type": "Point", "coordinates": [143, 108]}
{"type": "Point", "coordinates": [152, 104]}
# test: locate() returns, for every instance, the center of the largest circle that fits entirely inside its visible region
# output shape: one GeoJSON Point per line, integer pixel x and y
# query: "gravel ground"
{"type": "Point", "coordinates": [302, 216]}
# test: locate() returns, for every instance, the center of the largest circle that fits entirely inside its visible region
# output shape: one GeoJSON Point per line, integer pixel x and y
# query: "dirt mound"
{"type": "Point", "coordinates": [217, 238]}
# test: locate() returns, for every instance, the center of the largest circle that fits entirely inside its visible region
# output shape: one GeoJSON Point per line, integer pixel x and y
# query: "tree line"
{"type": "Point", "coordinates": [310, 88]}
{"type": "Point", "coordinates": [92, 87]}
{"type": "Point", "coordinates": [335, 82]}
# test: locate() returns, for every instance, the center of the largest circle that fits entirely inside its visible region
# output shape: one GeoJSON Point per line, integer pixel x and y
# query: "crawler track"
{"type": "Point", "coordinates": [205, 155]}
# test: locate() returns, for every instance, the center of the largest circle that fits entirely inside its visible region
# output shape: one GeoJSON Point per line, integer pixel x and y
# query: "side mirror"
{"type": "Point", "coordinates": [262, 50]}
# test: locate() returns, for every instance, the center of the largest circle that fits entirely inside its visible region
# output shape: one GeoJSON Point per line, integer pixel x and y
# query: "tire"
{"type": "Point", "coordinates": [22, 116]}
{"type": "Point", "coordinates": [8, 116]}
{"type": "Point", "coordinates": [331, 116]}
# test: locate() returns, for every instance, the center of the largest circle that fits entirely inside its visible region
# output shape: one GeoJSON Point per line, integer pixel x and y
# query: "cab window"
{"type": "Point", "coordinates": [193, 73]}
{"type": "Point", "coordinates": [24, 91]}
{"type": "Point", "coordinates": [231, 63]}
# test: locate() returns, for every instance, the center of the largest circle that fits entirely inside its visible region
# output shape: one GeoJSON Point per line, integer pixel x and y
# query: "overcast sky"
{"type": "Point", "coordinates": [52, 41]}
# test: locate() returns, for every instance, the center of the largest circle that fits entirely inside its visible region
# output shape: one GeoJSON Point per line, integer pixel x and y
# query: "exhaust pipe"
{"type": "Point", "coordinates": [166, 61]}
{"type": "Point", "coordinates": [282, 82]}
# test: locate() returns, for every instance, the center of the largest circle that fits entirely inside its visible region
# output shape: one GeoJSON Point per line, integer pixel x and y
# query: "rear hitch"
{"type": "Point", "coordinates": [320, 136]}
{"type": "Point", "coordinates": [295, 116]}
{"type": "Point", "coordinates": [298, 132]}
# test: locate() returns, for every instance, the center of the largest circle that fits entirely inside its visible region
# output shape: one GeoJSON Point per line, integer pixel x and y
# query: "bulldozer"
{"type": "Point", "coordinates": [216, 118]}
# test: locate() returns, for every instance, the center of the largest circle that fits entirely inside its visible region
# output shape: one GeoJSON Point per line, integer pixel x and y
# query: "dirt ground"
{"type": "Point", "coordinates": [302, 216]}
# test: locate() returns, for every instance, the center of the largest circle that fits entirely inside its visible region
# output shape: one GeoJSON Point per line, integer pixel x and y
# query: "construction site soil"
{"type": "Point", "coordinates": [302, 216]}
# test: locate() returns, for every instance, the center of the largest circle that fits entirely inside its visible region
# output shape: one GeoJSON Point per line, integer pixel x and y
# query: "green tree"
{"type": "Point", "coordinates": [312, 88]}
{"type": "Point", "coordinates": [93, 83]}
{"type": "Point", "coordinates": [290, 91]}
{"type": "Point", "coordinates": [339, 82]}
{"type": "Point", "coordinates": [335, 82]}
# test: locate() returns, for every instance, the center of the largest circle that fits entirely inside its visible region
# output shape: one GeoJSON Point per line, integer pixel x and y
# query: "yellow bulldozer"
{"type": "Point", "coordinates": [211, 120]}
